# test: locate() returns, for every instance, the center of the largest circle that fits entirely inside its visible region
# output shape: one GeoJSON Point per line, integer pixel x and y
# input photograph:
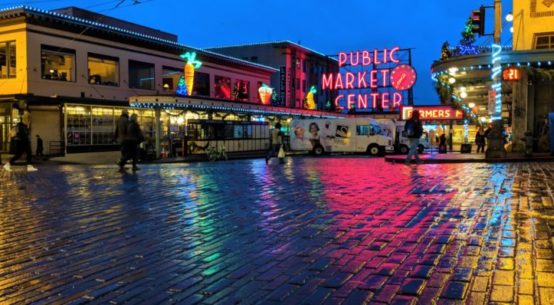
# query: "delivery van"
{"type": "Point", "coordinates": [320, 136]}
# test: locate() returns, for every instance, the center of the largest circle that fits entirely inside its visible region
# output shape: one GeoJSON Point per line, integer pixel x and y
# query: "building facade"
{"type": "Point", "coordinates": [299, 67]}
{"type": "Point", "coordinates": [75, 75]}
{"type": "Point", "coordinates": [525, 92]}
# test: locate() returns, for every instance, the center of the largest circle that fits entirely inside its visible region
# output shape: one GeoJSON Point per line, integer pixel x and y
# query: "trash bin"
{"type": "Point", "coordinates": [466, 149]}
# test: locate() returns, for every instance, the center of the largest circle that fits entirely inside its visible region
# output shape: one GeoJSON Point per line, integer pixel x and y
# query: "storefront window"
{"type": "Point", "coordinates": [141, 75]}
{"type": "Point", "coordinates": [102, 126]}
{"type": "Point", "coordinates": [222, 87]}
{"type": "Point", "coordinates": [103, 70]}
{"type": "Point", "coordinates": [78, 125]}
{"type": "Point", "coordinates": [201, 84]}
{"type": "Point", "coordinates": [240, 90]}
{"type": "Point", "coordinates": [170, 78]}
{"type": "Point", "coordinates": [58, 63]}
{"type": "Point", "coordinates": [7, 59]}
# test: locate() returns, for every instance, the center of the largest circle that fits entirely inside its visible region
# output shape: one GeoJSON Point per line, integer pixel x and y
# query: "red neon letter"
{"type": "Point", "coordinates": [361, 79]}
{"type": "Point", "coordinates": [376, 57]}
{"type": "Point", "coordinates": [392, 53]}
{"type": "Point", "coordinates": [366, 59]}
{"type": "Point", "coordinates": [385, 57]}
{"type": "Point", "coordinates": [396, 99]}
{"type": "Point", "coordinates": [350, 101]}
{"type": "Point", "coordinates": [342, 58]}
{"type": "Point", "coordinates": [338, 82]}
{"type": "Point", "coordinates": [385, 100]}
{"type": "Point", "coordinates": [337, 101]}
{"type": "Point", "coordinates": [384, 76]}
{"type": "Point", "coordinates": [374, 99]}
{"type": "Point", "coordinates": [362, 101]}
{"type": "Point", "coordinates": [327, 81]}
{"type": "Point", "coordinates": [352, 59]}
{"type": "Point", "coordinates": [373, 79]}
{"type": "Point", "coordinates": [350, 80]}
{"type": "Point", "coordinates": [447, 114]}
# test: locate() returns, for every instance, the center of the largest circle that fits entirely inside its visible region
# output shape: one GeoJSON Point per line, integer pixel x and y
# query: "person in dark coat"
{"type": "Point", "coordinates": [22, 146]}
{"type": "Point", "coordinates": [40, 147]}
{"type": "Point", "coordinates": [480, 140]}
{"type": "Point", "coordinates": [413, 130]}
{"type": "Point", "coordinates": [131, 143]}
{"type": "Point", "coordinates": [121, 133]}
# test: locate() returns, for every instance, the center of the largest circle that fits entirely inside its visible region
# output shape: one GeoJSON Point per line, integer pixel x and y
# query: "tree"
{"type": "Point", "coordinates": [468, 37]}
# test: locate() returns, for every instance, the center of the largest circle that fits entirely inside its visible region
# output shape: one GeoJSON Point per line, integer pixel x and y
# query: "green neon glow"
{"type": "Point", "coordinates": [313, 90]}
{"type": "Point", "coordinates": [190, 58]}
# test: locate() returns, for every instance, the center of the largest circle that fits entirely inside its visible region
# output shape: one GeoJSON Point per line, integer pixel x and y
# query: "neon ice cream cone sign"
{"type": "Point", "coordinates": [265, 94]}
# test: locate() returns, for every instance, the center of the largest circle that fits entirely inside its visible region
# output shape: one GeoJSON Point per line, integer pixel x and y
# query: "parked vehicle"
{"type": "Point", "coordinates": [341, 135]}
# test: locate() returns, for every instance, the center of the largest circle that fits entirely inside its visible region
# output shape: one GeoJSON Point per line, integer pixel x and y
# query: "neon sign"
{"type": "Point", "coordinates": [433, 113]}
{"type": "Point", "coordinates": [511, 74]}
{"type": "Point", "coordinates": [310, 101]}
{"type": "Point", "coordinates": [378, 81]}
{"type": "Point", "coordinates": [265, 94]}
{"type": "Point", "coordinates": [191, 64]}
{"type": "Point", "coordinates": [497, 82]}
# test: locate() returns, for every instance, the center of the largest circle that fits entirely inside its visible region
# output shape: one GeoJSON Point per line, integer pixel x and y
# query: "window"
{"type": "Point", "coordinates": [57, 63]}
{"type": "Point", "coordinates": [362, 130]}
{"type": "Point", "coordinates": [254, 58]}
{"type": "Point", "coordinates": [103, 70]}
{"type": "Point", "coordinates": [304, 88]}
{"type": "Point", "coordinates": [240, 90]}
{"type": "Point", "coordinates": [375, 129]}
{"type": "Point", "coordinates": [141, 75]}
{"type": "Point", "coordinates": [297, 84]}
{"type": "Point", "coordinates": [170, 78]}
{"type": "Point", "coordinates": [222, 87]}
{"type": "Point", "coordinates": [201, 84]}
{"type": "Point", "coordinates": [7, 59]}
{"type": "Point", "coordinates": [544, 41]}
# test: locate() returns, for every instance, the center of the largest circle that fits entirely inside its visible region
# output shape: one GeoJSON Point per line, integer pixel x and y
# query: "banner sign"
{"type": "Point", "coordinates": [433, 113]}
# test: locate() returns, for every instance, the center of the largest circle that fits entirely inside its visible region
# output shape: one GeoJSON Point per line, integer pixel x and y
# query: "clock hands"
{"type": "Point", "coordinates": [402, 77]}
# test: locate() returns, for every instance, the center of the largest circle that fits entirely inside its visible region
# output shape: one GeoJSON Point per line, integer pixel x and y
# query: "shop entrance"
{"type": "Point", "coordinates": [5, 126]}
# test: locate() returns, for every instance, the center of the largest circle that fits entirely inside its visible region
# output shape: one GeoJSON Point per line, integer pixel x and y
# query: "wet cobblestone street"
{"type": "Point", "coordinates": [311, 231]}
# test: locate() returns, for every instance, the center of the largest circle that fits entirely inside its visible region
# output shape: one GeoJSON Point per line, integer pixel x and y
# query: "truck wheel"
{"type": "Point", "coordinates": [373, 149]}
{"type": "Point", "coordinates": [404, 149]}
{"type": "Point", "coordinates": [318, 150]}
{"type": "Point", "coordinates": [420, 148]}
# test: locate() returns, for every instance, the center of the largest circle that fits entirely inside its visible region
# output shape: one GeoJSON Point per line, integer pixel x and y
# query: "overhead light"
{"type": "Point", "coordinates": [464, 95]}
{"type": "Point", "coordinates": [509, 17]}
{"type": "Point", "coordinates": [451, 80]}
{"type": "Point", "coordinates": [471, 105]}
{"type": "Point", "coordinates": [511, 29]}
{"type": "Point", "coordinates": [463, 89]}
{"type": "Point", "coordinates": [453, 70]}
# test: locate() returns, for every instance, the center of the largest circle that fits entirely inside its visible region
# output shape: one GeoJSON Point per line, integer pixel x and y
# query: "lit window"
{"type": "Point", "coordinates": [7, 59]}
{"type": "Point", "coordinates": [544, 41]}
{"type": "Point", "coordinates": [103, 70]}
{"type": "Point", "coordinates": [57, 63]}
{"type": "Point", "coordinates": [170, 78]}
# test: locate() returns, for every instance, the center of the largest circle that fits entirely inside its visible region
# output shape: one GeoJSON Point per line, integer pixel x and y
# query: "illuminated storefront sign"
{"type": "Point", "coordinates": [370, 80]}
{"type": "Point", "coordinates": [433, 113]}
{"type": "Point", "coordinates": [191, 64]}
{"type": "Point", "coordinates": [497, 82]}
{"type": "Point", "coordinates": [511, 74]}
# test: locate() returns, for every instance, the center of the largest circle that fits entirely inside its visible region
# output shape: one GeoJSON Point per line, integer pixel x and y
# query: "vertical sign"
{"type": "Point", "coordinates": [283, 85]}
{"type": "Point", "coordinates": [497, 81]}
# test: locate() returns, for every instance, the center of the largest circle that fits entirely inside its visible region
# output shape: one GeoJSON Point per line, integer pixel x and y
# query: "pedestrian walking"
{"type": "Point", "coordinates": [121, 133]}
{"type": "Point", "coordinates": [131, 143]}
{"type": "Point", "coordinates": [413, 131]}
{"type": "Point", "coordinates": [22, 145]}
{"type": "Point", "coordinates": [40, 147]}
{"type": "Point", "coordinates": [276, 143]}
{"type": "Point", "coordinates": [480, 140]}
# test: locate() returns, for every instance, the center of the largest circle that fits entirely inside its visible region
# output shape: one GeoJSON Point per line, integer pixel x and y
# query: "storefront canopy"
{"type": "Point", "coordinates": [204, 104]}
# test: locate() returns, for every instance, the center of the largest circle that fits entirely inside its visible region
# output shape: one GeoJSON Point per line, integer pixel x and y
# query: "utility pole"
{"type": "Point", "coordinates": [497, 20]}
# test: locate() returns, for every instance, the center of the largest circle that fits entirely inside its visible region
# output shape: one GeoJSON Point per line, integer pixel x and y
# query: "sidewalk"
{"type": "Point", "coordinates": [456, 157]}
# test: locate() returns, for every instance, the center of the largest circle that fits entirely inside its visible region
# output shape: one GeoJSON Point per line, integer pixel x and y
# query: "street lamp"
{"type": "Point", "coordinates": [451, 80]}
{"type": "Point", "coordinates": [509, 17]}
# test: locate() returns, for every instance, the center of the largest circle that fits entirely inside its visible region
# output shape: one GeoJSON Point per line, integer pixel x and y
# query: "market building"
{"type": "Point", "coordinates": [299, 70]}
{"type": "Point", "coordinates": [514, 83]}
{"type": "Point", "coordinates": [75, 75]}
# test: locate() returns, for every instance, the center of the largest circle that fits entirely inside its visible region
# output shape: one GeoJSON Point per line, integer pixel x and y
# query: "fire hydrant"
{"type": "Point", "coordinates": [528, 144]}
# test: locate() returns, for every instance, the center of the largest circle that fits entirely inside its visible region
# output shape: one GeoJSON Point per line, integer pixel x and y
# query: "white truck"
{"type": "Point", "coordinates": [341, 135]}
{"type": "Point", "coordinates": [401, 143]}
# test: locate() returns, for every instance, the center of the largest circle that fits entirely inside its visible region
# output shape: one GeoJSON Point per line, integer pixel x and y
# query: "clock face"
{"type": "Point", "coordinates": [403, 77]}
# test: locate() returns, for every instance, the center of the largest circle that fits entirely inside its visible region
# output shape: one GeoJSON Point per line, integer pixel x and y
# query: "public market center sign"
{"type": "Point", "coordinates": [370, 80]}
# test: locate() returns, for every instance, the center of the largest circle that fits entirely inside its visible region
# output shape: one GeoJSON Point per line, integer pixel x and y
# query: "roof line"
{"type": "Point", "coordinates": [133, 33]}
{"type": "Point", "coordinates": [273, 43]}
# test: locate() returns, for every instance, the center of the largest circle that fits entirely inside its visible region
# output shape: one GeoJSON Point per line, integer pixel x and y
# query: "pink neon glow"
{"type": "Point", "coordinates": [375, 56]}
{"type": "Point", "coordinates": [350, 80]}
{"type": "Point", "coordinates": [327, 81]}
{"type": "Point", "coordinates": [373, 79]}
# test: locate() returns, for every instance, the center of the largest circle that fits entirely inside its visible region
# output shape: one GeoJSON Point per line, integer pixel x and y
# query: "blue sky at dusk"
{"type": "Point", "coordinates": [328, 26]}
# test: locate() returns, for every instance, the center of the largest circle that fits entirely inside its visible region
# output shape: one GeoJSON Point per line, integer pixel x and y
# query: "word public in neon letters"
{"type": "Point", "coordinates": [366, 58]}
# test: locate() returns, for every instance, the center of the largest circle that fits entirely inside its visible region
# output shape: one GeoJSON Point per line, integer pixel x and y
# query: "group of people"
{"type": "Point", "coordinates": [21, 144]}
{"type": "Point", "coordinates": [128, 135]}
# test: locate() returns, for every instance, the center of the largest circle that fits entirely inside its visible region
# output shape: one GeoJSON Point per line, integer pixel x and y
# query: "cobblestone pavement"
{"type": "Point", "coordinates": [312, 231]}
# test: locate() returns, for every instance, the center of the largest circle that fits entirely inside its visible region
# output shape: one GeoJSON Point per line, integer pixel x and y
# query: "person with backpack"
{"type": "Point", "coordinates": [22, 145]}
{"type": "Point", "coordinates": [413, 131]}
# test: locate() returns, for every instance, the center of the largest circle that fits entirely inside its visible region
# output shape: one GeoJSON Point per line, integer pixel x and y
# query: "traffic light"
{"type": "Point", "coordinates": [478, 21]}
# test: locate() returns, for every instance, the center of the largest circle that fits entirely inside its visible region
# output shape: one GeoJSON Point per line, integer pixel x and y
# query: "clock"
{"type": "Point", "coordinates": [403, 77]}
